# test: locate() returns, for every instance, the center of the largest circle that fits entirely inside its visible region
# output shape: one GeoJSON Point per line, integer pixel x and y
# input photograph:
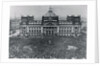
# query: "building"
{"type": "Point", "coordinates": [50, 25]}
{"type": "Point", "coordinates": [14, 24]}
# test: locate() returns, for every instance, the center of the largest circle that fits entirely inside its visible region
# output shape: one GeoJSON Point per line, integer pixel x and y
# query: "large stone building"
{"type": "Point", "coordinates": [50, 25]}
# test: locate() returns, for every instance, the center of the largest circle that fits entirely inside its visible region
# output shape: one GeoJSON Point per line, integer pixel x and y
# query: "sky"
{"type": "Point", "coordinates": [38, 11]}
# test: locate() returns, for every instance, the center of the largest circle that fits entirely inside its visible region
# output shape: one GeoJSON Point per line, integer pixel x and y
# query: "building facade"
{"type": "Point", "coordinates": [50, 25]}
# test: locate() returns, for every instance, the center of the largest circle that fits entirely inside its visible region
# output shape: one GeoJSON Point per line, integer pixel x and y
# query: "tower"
{"type": "Point", "coordinates": [50, 17]}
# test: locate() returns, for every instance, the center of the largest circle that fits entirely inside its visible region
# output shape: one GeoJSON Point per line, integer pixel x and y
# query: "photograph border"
{"type": "Point", "coordinates": [91, 19]}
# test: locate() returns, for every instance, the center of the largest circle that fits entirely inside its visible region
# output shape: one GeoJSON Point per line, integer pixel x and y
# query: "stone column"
{"type": "Point", "coordinates": [58, 29]}
{"type": "Point", "coordinates": [79, 28]}
{"type": "Point", "coordinates": [27, 29]}
{"type": "Point", "coordinates": [72, 29]}
{"type": "Point", "coordinates": [41, 29]}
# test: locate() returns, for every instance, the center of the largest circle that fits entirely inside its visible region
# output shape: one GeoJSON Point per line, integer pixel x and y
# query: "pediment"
{"type": "Point", "coordinates": [50, 23]}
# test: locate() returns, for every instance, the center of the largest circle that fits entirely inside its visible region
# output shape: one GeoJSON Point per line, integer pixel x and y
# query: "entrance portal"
{"type": "Point", "coordinates": [49, 31]}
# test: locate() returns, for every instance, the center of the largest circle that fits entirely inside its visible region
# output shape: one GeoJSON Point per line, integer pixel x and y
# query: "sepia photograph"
{"type": "Point", "coordinates": [48, 32]}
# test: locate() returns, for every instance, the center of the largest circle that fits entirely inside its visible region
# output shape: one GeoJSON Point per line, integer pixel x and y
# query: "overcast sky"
{"type": "Point", "coordinates": [39, 11]}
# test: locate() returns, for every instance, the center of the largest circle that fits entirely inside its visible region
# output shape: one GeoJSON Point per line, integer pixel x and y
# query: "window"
{"type": "Point", "coordinates": [24, 23]}
{"type": "Point", "coordinates": [76, 27]}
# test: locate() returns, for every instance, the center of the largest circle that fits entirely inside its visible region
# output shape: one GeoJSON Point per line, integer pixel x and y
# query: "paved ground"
{"type": "Point", "coordinates": [55, 47]}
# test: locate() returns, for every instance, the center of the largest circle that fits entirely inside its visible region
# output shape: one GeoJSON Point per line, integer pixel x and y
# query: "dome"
{"type": "Point", "coordinates": [50, 13]}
